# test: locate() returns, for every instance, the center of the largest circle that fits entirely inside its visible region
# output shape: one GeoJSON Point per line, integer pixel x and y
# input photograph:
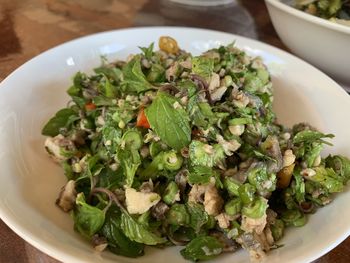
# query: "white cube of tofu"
{"type": "Point", "coordinates": [140, 202]}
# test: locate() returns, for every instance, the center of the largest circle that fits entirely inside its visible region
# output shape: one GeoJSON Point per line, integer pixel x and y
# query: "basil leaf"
{"type": "Point", "coordinates": [203, 66]}
{"type": "Point", "coordinates": [87, 219]}
{"type": "Point", "coordinates": [137, 232]}
{"type": "Point", "coordinates": [170, 124]}
{"type": "Point", "coordinates": [61, 119]}
{"type": "Point", "coordinates": [117, 241]}
{"type": "Point", "coordinates": [134, 79]}
{"type": "Point", "coordinates": [202, 248]}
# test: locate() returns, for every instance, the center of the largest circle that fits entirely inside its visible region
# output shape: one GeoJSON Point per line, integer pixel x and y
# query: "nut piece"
{"type": "Point", "coordinates": [212, 201]}
{"type": "Point", "coordinates": [308, 172]}
{"type": "Point", "coordinates": [140, 202]}
{"type": "Point", "coordinates": [223, 220]}
{"type": "Point", "coordinates": [236, 129]}
{"type": "Point", "coordinates": [251, 225]}
{"type": "Point", "coordinates": [288, 158]}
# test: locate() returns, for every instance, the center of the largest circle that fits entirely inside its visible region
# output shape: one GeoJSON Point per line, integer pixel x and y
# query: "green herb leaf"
{"type": "Point", "coordinates": [203, 66]}
{"type": "Point", "coordinates": [137, 232]}
{"type": "Point", "coordinates": [328, 179]}
{"type": "Point", "coordinates": [134, 79]}
{"type": "Point", "coordinates": [202, 248]}
{"type": "Point", "coordinates": [198, 216]}
{"type": "Point", "coordinates": [117, 241]}
{"type": "Point", "coordinates": [170, 124]}
{"type": "Point", "coordinates": [148, 51]}
{"type": "Point", "coordinates": [87, 219]}
{"type": "Point", "coordinates": [62, 118]}
{"type": "Point", "coordinates": [130, 161]}
{"type": "Point", "coordinates": [308, 136]}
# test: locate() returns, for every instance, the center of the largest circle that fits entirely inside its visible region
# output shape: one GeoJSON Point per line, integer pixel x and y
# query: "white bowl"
{"type": "Point", "coordinates": [30, 181]}
{"type": "Point", "coordinates": [323, 43]}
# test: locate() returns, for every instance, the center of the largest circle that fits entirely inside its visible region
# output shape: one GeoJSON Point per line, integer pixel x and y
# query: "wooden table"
{"type": "Point", "coordinates": [29, 27]}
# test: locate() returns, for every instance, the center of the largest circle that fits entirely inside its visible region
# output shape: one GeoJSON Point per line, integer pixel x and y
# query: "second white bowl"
{"type": "Point", "coordinates": [319, 41]}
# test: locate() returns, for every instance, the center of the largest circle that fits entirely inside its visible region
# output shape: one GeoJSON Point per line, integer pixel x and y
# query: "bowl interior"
{"type": "Point", "coordinates": [30, 181]}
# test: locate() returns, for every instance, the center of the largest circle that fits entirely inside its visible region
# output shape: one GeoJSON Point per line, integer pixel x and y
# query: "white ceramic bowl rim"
{"type": "Point", "coordinates": [313, 19]}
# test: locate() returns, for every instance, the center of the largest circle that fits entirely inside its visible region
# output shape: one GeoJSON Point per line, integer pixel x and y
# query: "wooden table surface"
{"type": "Point", "coordinates": [29, 27]}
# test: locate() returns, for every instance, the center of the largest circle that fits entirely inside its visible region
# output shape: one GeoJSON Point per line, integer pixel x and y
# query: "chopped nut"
{"type": "Point", "coordinates": [237, 129]}
{"type": "Point", "coordinates": [308, 172]}
{"type": "Point", "coordinates": [212, 201]}
{"type": "Point", "coordinates": [223, 220]}
{"type": "Point", "coordinates": [317, 161]}
{"type": "Point", "coordinates": [288, 158]}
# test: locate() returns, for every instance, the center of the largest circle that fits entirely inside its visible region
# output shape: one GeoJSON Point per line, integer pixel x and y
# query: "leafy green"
{"type": "Point", "coordinates": [198, 217]}
{"type": "Point", "coordinates": [134, 78]}
{"type": "Point", "coordinates": [202, 154]}
{"type": "Point", "coordinates": [130, 160]}
{"type": "Point", "coordinates": [138, 232]}
{"type": "Point", "coordinates": [202, 66]}
{"type": "Point", "coordinates": [170, 124]}
{"type": "Point", "coordinates": [202, 248]}
{"type": "Point", "coordinates": [61, 119]}
{"type": "Point", "coordinates": [340, 164]}
{"type": "Point", "coordinates": [87, 219]}
{"type": "Point", "coordinates": [327, 178]}
{"type": "Point", "coordinates": [148, 51]}
{"type": "Point", "coordinates": [307, 136]}
{"type": "Point", "coordinates": [117, 241]}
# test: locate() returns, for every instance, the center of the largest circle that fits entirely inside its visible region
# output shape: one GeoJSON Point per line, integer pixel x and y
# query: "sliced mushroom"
{"type": "Point", "coordinates": [159, 210]}
{"type": "Point", "coordinates": [67, 196]}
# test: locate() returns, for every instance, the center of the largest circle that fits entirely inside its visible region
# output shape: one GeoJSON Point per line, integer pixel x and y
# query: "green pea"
{"type": "Point", "coordinates": [172, 161]}
{"type": "Point", "coordinates": [255, 209]}
{"type": "Point", "coordinates": [133, 139]}
{"type": "Point", "coordinates": [233, 207]}
{"type": "Point", "coordinates": [178, 215]}
{"type": "Point", "coordinates": [231, 186]}
{"type": "Point", "coordinates": [170, 193]}
{"type": "Point", "coordinates": [246, 193]}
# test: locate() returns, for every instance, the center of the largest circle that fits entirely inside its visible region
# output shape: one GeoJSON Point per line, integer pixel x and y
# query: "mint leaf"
{"type": "Point", "coordinates": [117, 241]}
{"type": "Point", "coordinates": [203, 66]}
{"type": "Point", "coordinates": [202, 248]}
{"type": "Point", "coordinates": [170, 124]}
{"type": "Point", "coordinates": [134, 79]}
{"type": "Point", "coordinates": [87, 219]}
{"type": "Point", "coordinates": [137, 232]}
{"type": "Point", "coordinates": [62, 118]}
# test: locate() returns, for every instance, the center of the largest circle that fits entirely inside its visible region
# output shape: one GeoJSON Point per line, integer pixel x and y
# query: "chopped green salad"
{"type": "Point", "coordinates": [335, 10]}
{"type": "Point", "coordinates": [167, 148]}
